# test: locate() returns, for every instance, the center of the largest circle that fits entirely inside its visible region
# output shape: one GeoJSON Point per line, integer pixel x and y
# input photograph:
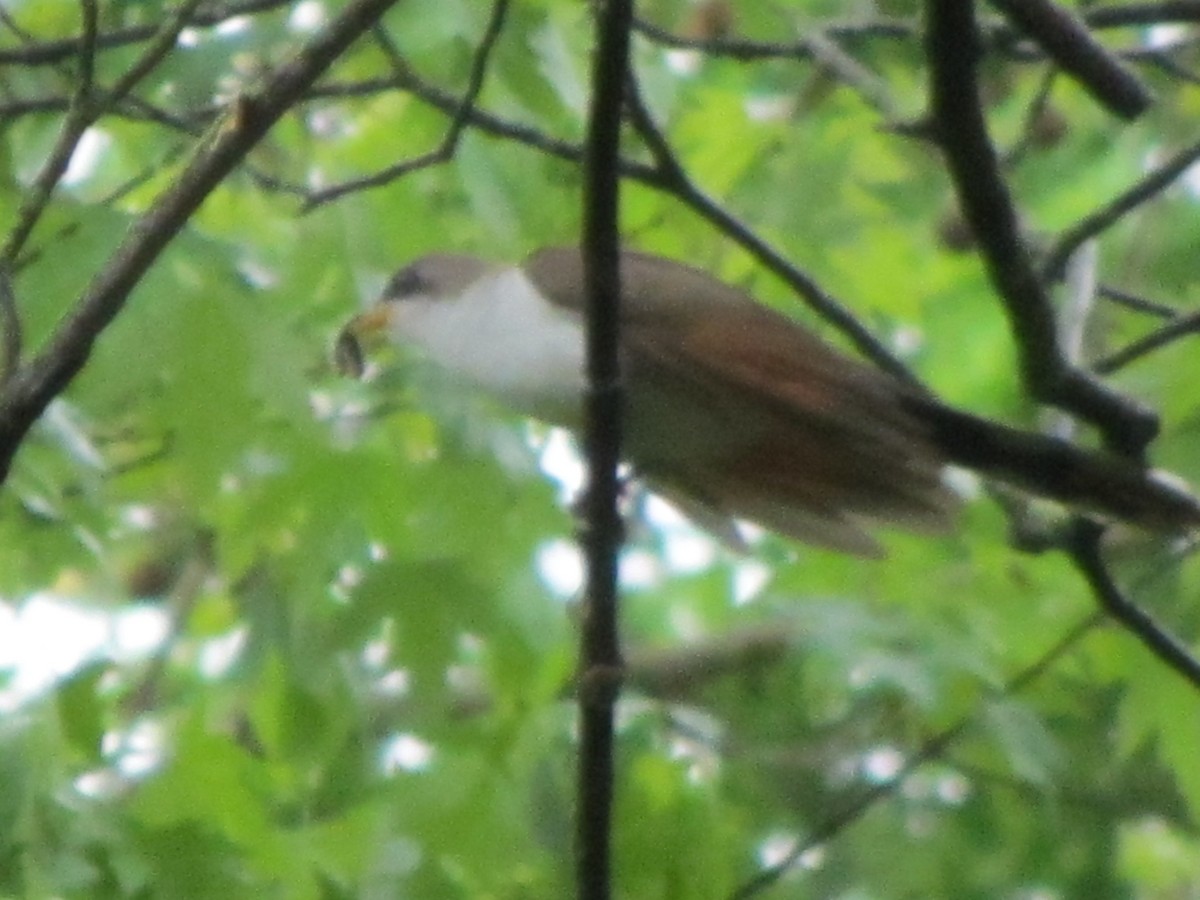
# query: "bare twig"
{"type": "Point", "coordinates": [10, 22]}
{"type": "Point", "coordinates": [998, 35]}
{"type": "Point", "coordinates": [480, 119]}
{"type": "Point", "coordinates": [1133, 15]}
{"type": "Point", "coordinates": [162, 42]}
{"type": "Point", "coordinates": [1184, 326]}
{"type": "Point", "coordinates": [1066, 40]}
{"type": "Point", "coordinates": [444, 152]}
{"type": "Point", "coordinates": [86, 76]}
{"type": "Point", "coordinates": [34, 253]}
{"type": "Point", "coordinates": [849, 71]}
{"type": "Point", "coordinates": [1112, 212]}
{"type": "Point", "coordinates": [1137, 303]}
{"type": "Point", "coordinates": [742, 49]}
{"type": "Point", "coordinates": [1161, 58]}
{"type": "Point", "coordinates": [33, 387]}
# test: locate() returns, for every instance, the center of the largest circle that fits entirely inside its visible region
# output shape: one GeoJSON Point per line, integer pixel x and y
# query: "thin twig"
{"type": "Point", "coordinates": [86, 76]}
{"type": "Point", "coordinates": [1084, 549]}
{"type": "Point", "coordinates": [1115, 210]}
{"type": "Point", "coordinates": [33, 253]}
{"type": "Point", "coordinates": [1137, 303]}
{"type": "Point", "coordinates": [748, 50]}
{"type": "Point", "coordinates": [6, 17]}
{"type": "Point", "coordinates": [830, 55]}
{"type": "Point", "coordinates": [995, 35]}
{"type": "Point", "coordinates": [481, 120]}
{"type": "Point", "coordinates": [87, 105]}
{"type": "Point", "coordinates": [445, 151]}
{"type": "Point", "coordinates": [162, 43]}
{"type": "Point", "coordinates": [48, 53]}
{"type": "Point", "coordinates": [1033, 116]}
{"type": "Point", "coordinates": [1184, 326]}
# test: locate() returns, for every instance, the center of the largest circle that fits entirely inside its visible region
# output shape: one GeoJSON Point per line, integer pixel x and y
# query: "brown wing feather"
{"type": "Point", "coordinates": [833, 443]}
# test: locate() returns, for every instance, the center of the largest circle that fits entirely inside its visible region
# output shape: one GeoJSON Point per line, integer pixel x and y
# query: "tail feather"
{"type": "Point", "coordinates": [1054, 468]}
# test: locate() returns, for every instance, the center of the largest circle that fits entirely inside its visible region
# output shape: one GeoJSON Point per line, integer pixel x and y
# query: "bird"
{"type": "Point", "coordinates": [735, 412]}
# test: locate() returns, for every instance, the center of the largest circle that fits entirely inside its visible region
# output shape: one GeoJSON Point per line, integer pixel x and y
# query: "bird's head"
{"type": "Point", "coordinates": [406, 299]}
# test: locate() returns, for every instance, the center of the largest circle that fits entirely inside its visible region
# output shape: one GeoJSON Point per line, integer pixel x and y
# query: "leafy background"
{"type": "Point", "coordinates": [268, 632]}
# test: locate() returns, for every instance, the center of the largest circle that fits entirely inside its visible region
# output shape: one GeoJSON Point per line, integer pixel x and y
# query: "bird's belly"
{"type": "Point", "coordinates": [668, 429]}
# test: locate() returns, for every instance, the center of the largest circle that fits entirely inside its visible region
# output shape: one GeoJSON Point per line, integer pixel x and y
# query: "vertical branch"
{"type": "Point", "coordinates": [600, 656]}
{"type": "Point", "coordinates": [31, 388]}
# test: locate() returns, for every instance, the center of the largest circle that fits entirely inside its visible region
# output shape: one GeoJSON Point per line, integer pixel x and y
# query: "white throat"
{"type": "Point", "coordinates": [505, 338]}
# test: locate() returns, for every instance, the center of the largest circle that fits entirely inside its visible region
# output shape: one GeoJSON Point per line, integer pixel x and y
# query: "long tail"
{"type": "Point", "coordinates": [1051, 467]}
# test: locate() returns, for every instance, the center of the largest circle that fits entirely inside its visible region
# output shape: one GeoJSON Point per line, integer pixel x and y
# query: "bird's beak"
{"type": "Point", "coordinates": [365, 330]}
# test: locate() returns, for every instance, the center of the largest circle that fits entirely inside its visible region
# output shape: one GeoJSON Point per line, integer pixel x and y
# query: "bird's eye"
{"type": "Point", "coordinates": [405, 283]}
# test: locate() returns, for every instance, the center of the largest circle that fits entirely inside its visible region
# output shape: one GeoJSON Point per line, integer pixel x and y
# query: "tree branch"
{"type": "Point", "coordinates": [79, 116]}
{"type": "Point", "coordinates": [1104, 218]}
{"type": "Point", "coordinates": [48, 53]}
{"type": "Point", "coordinates": [953, 46]}
{"type": "Point", "coordinates": [600, 651]}
{"type": "Point", "coordinates": [1183, 326]}
{"type": "Point", "coordinates": [1066, 40]}
{"type": "Point", "coordinates": [668, 175]}
{"type": "Point", "coordinates": [1084, 549]}
{"type": "Point", "coordinates": [444, 152]}
{"type": "Point", "coordinates": [33, 387]}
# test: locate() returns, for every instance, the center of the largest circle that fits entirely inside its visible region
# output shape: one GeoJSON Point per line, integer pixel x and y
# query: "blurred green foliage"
{"type": "Point", "coordinates": [359, 682]}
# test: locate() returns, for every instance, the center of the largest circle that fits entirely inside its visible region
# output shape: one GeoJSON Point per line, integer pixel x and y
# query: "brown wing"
{"type": "Point", "coordinates": [813, 441]}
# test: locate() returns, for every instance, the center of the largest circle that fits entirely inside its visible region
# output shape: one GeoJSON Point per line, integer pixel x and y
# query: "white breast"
{"type": "Point", "coordinates": [505, 338]}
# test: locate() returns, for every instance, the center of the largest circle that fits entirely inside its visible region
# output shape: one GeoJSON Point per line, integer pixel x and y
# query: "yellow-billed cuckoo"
{"type": "Point", "coordinates": [733, 411]}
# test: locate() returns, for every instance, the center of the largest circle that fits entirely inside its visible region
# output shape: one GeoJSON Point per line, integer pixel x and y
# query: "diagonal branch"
{"type": "Point", "coordinates": [1113, 212]}
{"type": "Point", "coordinates": [668, 175]}
{"type": "Point", "coordinates": [1181, 327]}
{"type": "Point", "coordinates": [79, 116]}
{"type": "Point", "coordinates": [11, 339]}
{"type": "Point", "coordinates": [28, 393]}
{"type": "Point", "coordinates": [444, 151]}
{"type": "Point", "coordinates": [1065, 39]}
{"type": "Point", "coordinates": [953, 47]}
{"type": "Point", "coordinates": [87, 105]}
{"type": "Point", "coordinates": [1084, 548]}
